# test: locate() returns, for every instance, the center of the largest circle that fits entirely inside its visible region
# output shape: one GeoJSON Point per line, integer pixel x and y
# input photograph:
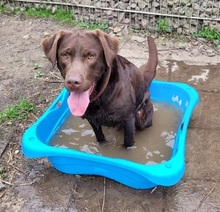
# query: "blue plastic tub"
{"type": "Point", "coordinates": [36, 138]}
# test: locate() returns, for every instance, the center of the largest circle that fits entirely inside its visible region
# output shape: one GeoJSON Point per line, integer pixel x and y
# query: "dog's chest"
{"type": "Point", "coordinates": [104, 115]}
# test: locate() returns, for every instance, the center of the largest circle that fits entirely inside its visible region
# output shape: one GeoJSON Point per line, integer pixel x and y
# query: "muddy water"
{"type": "Point", "coordinates": [153, 145]}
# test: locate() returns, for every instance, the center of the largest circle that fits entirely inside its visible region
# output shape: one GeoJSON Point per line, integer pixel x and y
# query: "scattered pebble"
{"type": "Point", "coordinates": [46, 34]}
{"type": "Point", "coordinates": [201, 40]}
{"type": "Point", "coordinates": [181, 46]}
{"type": "Point", "coordinates": [116, 30]}
{"type": "Point", "coordinates": [54, 9]}
{"type": "Point", "coordinates": [138, 39]}
{"type": "Point", "coordinates": [196, 43]}
{"type": "Point", "coordinates": [26, 37]}
{"type": "Point", "coordinates": [17, 151]}
{"type": "Point", "coordinates": [210, 52]}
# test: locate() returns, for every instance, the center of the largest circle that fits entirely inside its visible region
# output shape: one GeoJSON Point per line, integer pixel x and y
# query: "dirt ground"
{"type": "Point", "coordinates": [34, 185]}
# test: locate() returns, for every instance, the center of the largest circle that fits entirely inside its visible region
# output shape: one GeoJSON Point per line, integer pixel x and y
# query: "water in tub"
{"type": "Point", "coordinates": [152, 145]}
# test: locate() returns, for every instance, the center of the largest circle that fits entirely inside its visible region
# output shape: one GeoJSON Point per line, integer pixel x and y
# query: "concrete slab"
{"type": "Point", "coordinates": [196, 195]}
{"type": "Point", "coordinates": [45, 195]}
{"type": "Point", "coordinates": [206, 114]}
{"type": "Point", "coordinates": [202, 77]}
{"type": "Point", "coordinates": [202, 155]}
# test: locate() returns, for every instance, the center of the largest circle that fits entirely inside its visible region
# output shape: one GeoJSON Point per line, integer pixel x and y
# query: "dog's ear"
{"type": "Point", "coordinates": [110, 45]}
{"type": "Point", "coordinates": [49, 46]}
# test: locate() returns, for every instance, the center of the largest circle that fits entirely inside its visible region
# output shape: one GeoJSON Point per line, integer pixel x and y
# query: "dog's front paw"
{"type": "Point", "coordinates": [129, 144]}
{"type": "Point", "coordinates": [103, 141]}
{"type": "Point", "coordinates": [131, 148]}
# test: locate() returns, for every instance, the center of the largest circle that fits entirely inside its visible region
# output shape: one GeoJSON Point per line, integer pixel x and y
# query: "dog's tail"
{"type": "Point", "coordinates": [150, 69]}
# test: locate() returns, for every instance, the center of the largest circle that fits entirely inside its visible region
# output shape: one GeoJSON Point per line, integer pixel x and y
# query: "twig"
{"type": "Point", "coordinates": [35, 116]}
{"type": "Point", "coordinates": [10, 157]}
{"type": "Point", "coordinates": [18, 169]}
{"type": "Point", "coordinates": [50, 81]}
{"type": "Point", "coordinates": [2, 194]}
{"type": "Point", "coordinates": [152, 191]}
{"type": "Point", "coordinates": [1, 125]}
{"type": "Point", "coordinates": [35, 94]}
{"type": "Point", "coordinates": [54, 75]}
{"type": "Point", "coordinates": [203, 200]}
{"type": "Point", "coordinates": [98, 199]}
{"type": "Point", "coordinates": [55, 90]}
{"type": "Point", "coordinates": [74, 191]}
{"type": "Point", "coordinates": [25, 184]}
{"type": "Point", "coordinates": [6, 182]}
{"type": "Point", "coordinates": [21, 184]}
{"type": "Point", "coordinates": [103, 200]}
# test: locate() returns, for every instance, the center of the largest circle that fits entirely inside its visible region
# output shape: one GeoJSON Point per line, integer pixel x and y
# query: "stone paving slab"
{"type": "Point", "coordinates": [196, 195]}
{"type": "Point", "coordinates": [207, 112]}
{"type": "Point", "coordinates": [202, 77]}
{"type": "Point", "coordinates": [202, 155]}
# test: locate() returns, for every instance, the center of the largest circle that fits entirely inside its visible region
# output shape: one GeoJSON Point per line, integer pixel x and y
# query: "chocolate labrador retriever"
{"type": "Point", "coordinates": [104, 87]}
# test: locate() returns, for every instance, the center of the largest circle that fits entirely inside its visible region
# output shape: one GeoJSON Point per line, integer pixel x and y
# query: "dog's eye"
{"type": "Point", "coordinates": [91, 56]}
{"type": "Point", "coordinates": [64, 55]}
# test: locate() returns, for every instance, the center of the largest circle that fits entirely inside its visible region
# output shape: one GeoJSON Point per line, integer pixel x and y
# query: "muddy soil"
{"type": "Point", "coordinates": [33, 184]}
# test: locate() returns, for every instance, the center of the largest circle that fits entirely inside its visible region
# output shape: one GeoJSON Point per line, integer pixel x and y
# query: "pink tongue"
{"type": "Point", "coordinates": [78, 102]}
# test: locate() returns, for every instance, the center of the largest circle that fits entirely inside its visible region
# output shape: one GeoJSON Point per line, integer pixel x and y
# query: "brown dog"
{"type": "Point", "coordinates": [104, 87]}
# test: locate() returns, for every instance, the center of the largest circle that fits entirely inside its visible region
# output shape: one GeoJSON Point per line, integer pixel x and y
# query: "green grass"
{"type": "Point", "coordinates": [3, 174]}
{"type": "Point", "coordinates": [60, 15]}
{"type": "Point", "coordinates": [38, 74]}
{"type": "Point", "coordinates": [163, 26]}
{"type": "Point", "coordinates": [36, 66]}
{"type": "Point", "coordinates": [1, 9]}
{"type": "Point", "coordinates": [209, 34]}
{"type": "Point", "coordinates": [85, 25]}
{"type": "Point", "coordinates": [17, 112]}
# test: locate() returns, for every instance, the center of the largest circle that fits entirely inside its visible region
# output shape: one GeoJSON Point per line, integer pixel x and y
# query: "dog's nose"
{"type": "Point", "coordinates": [73, 83]}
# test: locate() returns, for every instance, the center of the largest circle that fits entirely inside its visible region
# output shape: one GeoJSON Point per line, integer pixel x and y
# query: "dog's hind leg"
{"type": "Point", "coordinates": [144, 115]}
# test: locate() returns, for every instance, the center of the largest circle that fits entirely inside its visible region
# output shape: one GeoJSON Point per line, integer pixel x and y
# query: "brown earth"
{"type": "Point", "coordinates": [34, 185]}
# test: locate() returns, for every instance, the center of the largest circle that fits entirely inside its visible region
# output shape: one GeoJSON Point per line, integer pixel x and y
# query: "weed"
{"type": "Point", "coordinates": [60, 15]}
{"type": "Point", "coordinates": [162, 26]}
{"type": "Point", "coordinates": [37, 66]}
{"type": "Point", "coordinates": [141, 31]}
{"type": "Point", "coordinates": [38, 74]}
{"type": "Point", "coordinates": [133, 30]}
{"type": "Point", "coordinates": [85, 25]}
{"type": "Point", "coordinates": [63, 16]}
{"type": "Point", "coordinates": [209, 34]}
{"type": "Point", "coordinates": [18, 112]}
{"type": "Point", "coordinates": [1, 9]}
{"type": "Point", "coordinates": [3, 174]}
{"type": "Point", "coordinates": [8, 10]}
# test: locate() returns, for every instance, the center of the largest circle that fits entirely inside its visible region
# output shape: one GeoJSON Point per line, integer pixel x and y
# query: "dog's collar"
{"type": "Point", "coordinates": [104, 85]}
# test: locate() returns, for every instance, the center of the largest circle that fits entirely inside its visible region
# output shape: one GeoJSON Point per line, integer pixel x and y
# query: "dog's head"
{"type": "Point", "coordinates": [82, 57]}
